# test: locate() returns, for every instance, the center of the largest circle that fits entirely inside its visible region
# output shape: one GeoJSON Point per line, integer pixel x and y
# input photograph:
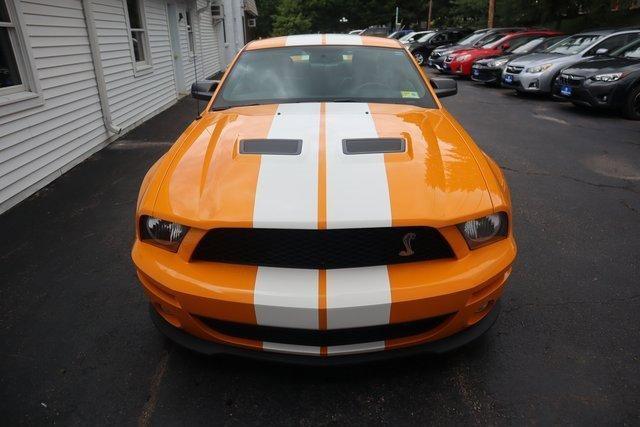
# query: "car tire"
{"type": "Point", "coordinates": [419, 58]}
{"type": "Point", "coordinates": [631, 107]}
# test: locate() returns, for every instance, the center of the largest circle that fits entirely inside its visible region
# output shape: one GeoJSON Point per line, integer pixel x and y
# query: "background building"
{"type": "Point", "coordinates": [77, 74]}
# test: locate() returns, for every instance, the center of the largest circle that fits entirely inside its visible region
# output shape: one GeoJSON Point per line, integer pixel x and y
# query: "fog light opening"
{"type": "Point", "coordinates": [485, 306]}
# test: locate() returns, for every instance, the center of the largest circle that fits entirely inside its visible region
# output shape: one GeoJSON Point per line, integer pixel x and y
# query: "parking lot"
{"type": "Point", "coordinates": [79, 348]}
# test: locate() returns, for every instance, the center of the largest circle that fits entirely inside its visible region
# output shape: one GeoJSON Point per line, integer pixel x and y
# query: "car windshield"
{"type": "Point", "coordinates": [471, 39]}
{"type": "Point", "coordinates": [406, 37]}
{"type": "Point", "coordinates": [324, 74]}
{"type": "Point", "coordinates": [631, 50]}
{"type": "Point", "coordinates": [528, 46]}
{"type": "Point", "coordinates": [490, 40]}
{"type": "Point", "coordinates": [574, 44]}
{"type": "Point", "coordinates": [426, 37]}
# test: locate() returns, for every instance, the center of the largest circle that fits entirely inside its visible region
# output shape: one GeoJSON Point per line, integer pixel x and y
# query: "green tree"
{"type": "Point", "coordinates": [291, 19]}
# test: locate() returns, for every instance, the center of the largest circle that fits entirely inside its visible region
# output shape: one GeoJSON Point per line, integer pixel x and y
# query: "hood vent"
{"type": "Point", "coordinates": [282, 147]}
{"type": "Point", "coordinates": [373, 145]}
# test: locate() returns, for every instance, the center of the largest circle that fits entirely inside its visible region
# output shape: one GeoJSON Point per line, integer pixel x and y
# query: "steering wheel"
{"type": "Point", "coordinates": [369, 85]}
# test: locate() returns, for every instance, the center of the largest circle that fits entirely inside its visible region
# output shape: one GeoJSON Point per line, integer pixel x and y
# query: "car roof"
{"type": "Point", "coordinates": [323, 39]}
{"type": "Point", "coordinates": [608, 31]}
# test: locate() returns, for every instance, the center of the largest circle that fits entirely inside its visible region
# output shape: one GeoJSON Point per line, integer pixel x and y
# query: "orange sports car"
{"type": "Point", "coordinates": [324, 208]}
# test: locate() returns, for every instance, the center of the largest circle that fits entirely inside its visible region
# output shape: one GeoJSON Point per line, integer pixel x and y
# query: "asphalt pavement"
{"type": "Point", "coordinates": [78, 346]}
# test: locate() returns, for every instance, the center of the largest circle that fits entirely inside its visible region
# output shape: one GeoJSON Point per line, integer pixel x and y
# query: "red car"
{"type": "Point", "coordinates": [460, 62]}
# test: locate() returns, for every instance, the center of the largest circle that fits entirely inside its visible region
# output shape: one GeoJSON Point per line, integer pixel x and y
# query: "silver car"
{"type": "Point", "coordinates": [536, 72]}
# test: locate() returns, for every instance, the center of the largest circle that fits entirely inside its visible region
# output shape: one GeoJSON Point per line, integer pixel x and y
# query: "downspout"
{"type": "Point", "coordinates": [97, 67]}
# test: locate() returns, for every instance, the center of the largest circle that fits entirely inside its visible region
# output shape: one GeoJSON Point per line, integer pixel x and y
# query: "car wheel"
{"type": "Point", "coordinates": [631, 108]}
{"type": "Point", "coordinates": [419, 58]}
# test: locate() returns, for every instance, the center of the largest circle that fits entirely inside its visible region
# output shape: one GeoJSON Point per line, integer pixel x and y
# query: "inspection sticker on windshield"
{"type": "Point", "coordinates": [409, 94]}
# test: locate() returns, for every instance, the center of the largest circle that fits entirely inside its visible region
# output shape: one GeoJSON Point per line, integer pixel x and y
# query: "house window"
{"type": "Point", "coordinates": [138, 31]}
{"type": "Point", "coordinates": [190, 33]}
{"type": "Point", "coordinates": [11, 80]}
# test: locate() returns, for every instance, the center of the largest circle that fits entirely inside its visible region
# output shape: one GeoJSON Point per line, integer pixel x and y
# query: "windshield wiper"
{"type": "Point", "coordinates": [226, 107]}
{"type": "Point", "coordinates": [344, 100]}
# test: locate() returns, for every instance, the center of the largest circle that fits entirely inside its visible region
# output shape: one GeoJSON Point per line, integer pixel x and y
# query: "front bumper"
{"type": "Point", "coordinates": [211, 348]}
{"type": "Point", "coordinates": [459, 68]}
{"type": "Point", "coordinates": [486, 75]}
{"type": "Point", "coordinates": [437, 63]}
{"type": "Point", "coordinates": [599, 95]}
{"type": "Point", "coordinates": [188, 295]}
{"type": "Point", "coordinates": [527, 82]}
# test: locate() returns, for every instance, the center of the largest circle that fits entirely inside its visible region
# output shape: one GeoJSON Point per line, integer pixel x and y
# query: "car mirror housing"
{"type": "Point", "coordinates": [505, 46]}
{"type": "Point", "coordinates": [204, 89]}
{"type": "Point", "coordinates": [444, 87]}
{"type": "Point", "coordinates": [601, 51]}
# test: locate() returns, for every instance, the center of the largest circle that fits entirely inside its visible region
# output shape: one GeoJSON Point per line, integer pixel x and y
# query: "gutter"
{"type": "Point", "coordinates": [97, 67]}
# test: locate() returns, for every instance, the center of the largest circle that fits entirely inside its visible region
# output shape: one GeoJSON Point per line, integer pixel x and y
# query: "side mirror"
{"type": "Point", "coordinates": [204, 89]}
{"type": "Point", "coordinates": [444, 87]}
{"type": "Point", "coordinates": [505, 46]}
{"type": "Point", "coordinates": [602, 51]}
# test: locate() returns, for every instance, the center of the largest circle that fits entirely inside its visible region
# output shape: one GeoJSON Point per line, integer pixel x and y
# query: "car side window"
{"type": "Point", "coordinates": [612, 43]}
{"type": "Point", "coordinates": [439, 38]}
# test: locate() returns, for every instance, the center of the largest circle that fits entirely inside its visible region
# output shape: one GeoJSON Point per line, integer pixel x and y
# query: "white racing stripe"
{"type": "Point", "coordinates": [291, 348]}
{"type": "Point", "coordinates": [357, 188]}
{"type": "Point", "coordinates": [286, 297]}
{"type": "Point", "coordinates": [357, 197]}
{"type": "Point", "coordinates": [287, 190]}
{"type": "Point", "coordinates": [358, 297]}
{"type": "Point", "coordinates": [287, 197]}
{"type": "Point", "coordinates": [343, 39]}
{"type": "Point", "coordinates": [355, 348]}
{"type": "Point", "coordinates": [304, 39]}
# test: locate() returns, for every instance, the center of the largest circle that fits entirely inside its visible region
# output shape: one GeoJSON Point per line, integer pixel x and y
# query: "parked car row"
{"type": "Point", "coordinates": [595, 68]}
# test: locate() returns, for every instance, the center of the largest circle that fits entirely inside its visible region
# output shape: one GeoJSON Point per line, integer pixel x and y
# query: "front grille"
{"type": "Point", "coordinates": [514, 70]}
{"type": "Point", "coordinates": [322, 249]}
{"type": "Point", "coordinates": [484, 75]}
{"type": "Point", "coordinates": [331, 337]}
{"type": "Point", "coordinates": [570, 80]}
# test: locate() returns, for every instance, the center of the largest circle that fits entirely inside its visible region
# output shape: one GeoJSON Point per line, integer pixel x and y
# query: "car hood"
{"type": "Point", "coordinates": [603, 65]}
{"type": "Point", "coordinates": [208, 183]}
{"type": "Point", "coordinates": [534, 59]}
{"type": "Point", "coordinates": [444, 50]}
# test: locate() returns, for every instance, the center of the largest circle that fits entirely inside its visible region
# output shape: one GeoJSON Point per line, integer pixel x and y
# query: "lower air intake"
{"type": "Point", "coordinates": [322, 249]}
{"type": "Point", "coordinates": [314, 337]}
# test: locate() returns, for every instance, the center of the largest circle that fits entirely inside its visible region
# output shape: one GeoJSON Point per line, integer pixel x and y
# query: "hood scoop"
{"type": "Point", "coordinates": [282, 147]}
{"type": "Point", "coordinates": [373, 145]}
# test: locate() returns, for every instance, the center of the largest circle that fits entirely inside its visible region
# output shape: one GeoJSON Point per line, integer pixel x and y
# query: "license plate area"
{"type": "Point", "coordinates": [566, 90]}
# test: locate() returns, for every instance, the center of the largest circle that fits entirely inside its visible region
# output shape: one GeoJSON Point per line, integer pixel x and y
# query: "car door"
{"type": "Point", "coordinates": [612, 43]}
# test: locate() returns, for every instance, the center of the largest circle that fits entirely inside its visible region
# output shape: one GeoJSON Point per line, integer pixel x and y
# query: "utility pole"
{"type": "Point", "coordinates": [492, 12]}
{"type": "Point", "coordinates": [429, 19]}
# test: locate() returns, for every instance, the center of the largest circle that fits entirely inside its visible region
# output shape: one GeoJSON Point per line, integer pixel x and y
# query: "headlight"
{"type": "Point", "coordinates": [539, 68]}
{"type": "Point", "coordinates": [462, 58]}
{"type": "Point", "coordinates": [611, 77]}
{"type": "Point", "coordinates": [165, 234]}
{"type": "Point", "coordinates": [482, 231]}
{"type": "Point", "coordinates": [498, 62]}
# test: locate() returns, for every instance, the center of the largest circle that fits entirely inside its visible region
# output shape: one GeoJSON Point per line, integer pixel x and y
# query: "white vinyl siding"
{"type": "Point", "coordinates": [39, 142]}
{"type": "Point", "coordinates": [134, 96]}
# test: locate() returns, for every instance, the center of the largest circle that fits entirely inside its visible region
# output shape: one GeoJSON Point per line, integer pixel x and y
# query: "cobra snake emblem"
{"type": "Point", "coordinates": [407, 239]}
